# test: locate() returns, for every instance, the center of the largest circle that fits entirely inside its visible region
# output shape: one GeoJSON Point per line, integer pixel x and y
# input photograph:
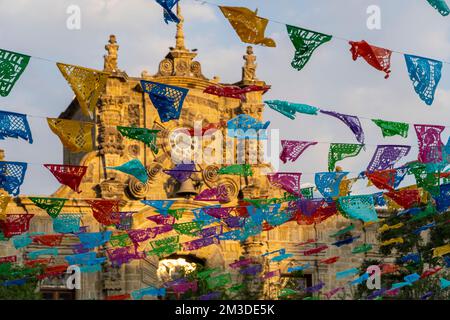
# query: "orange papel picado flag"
{"type": "Point", "coordinates": [74, 135]}
{"type": "Point", "coordinates": [87, 84]}
{"type": "Point", "coordinates": [249, 27]}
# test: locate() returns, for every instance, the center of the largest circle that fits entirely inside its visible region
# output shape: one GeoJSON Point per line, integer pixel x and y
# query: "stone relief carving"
{"type": "Point", "coordinates": [134, 115]}
{"type": "Point", "coordinates": [111, 141]}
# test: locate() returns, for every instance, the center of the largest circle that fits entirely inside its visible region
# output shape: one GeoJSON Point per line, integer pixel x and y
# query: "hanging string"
{"type": "Point", "coordinates": [318, 141]}
{"type": "Point", "coordinates": [202, 2]}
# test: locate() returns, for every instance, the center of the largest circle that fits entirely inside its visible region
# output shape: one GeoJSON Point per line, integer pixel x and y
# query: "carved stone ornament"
{"type": "Point", "coordinates": [111, 141]}
{"type": "Point", "coordinates": [111, 189]}
{"type": "Point", "coordinates": [166, 67]}
{"type": "Point", "coordinates": [153, 169]}
{"type": "Point", "coordinates": [137, 189]}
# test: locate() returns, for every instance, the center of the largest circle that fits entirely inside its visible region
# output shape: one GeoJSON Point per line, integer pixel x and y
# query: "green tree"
{"type": "Point", "coordinates": [414, 242]}
{"type": "Point", "coordinates": [27, 291]}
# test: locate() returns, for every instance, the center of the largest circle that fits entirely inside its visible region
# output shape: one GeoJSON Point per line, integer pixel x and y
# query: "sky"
{"type": "Point", "coordinates": [331, 80]}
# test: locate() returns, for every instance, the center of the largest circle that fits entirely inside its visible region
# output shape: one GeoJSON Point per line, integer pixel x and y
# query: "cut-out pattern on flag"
{"type": "Point", "coordinates": [290, 109]}
{"type": "Point", "coordinates": [165, 250]}
{"type": "Point", "coordinates": [160, 205]}
{"type": "Point", "coordinates": [211, 231]}
{"type": "Point", "coordinates": [310, 206]}
{"type": "Point", "coordinates": [441, 6]}
{"type": "Point", "coordinates": [289, 181]}
{"type": "Point", "coordinates": [217, 211]}
{"type": "Point", "coordinates": [249, 27]}
{"type": "Point", "coordinates": [53, 206]}
{"type": "Point", "coordinates": [12, 65]}
{"type": "Point", "coordinates": [44, 252]}
{"type": "Point", "coordinates": [237, 170]}
{"type": "Point", "coordinates": [14, 125]}
{"type": "Point", "coordinates": [359, 207]}
{"type": "Point", "coordinates": [94, 239]}
{"type": "Point", "coordinates": [200, 243]}
{"type": "Point", "coordinates": [425, 75]}
{"type": "Point", "coordinates": [49, 240]}
{"type": "Point", "coordinates": [120, 256]}
{"type": "Point", "coordinates": [387, 179]}
{"type": "Point", "coordinates": [12, 175]}
{"type": "Point", "coordinates": [379, 58]}
{"type": "Point", "coordinates": [307, 193]}
{"type": "Point", "coordinates": [165, 241]}
{"type": "Point", "coordinates": [87, 84]}
{"type": "Point", "coordinates": [168, 100]}
{"type": "Point", "coordinates": [181, 172]}
{"type": "Point", "coordinates": [405, 198]}
{"type": "Point", "coordinates": [443, 199]}
{"type": "Point", "coordinates": [351, 121]}
{"type": "Point", "coordinates": [67, 223]}
{"type": "Point", "coordinates": [340, 151]}
{"type": "Point", "coordinates": [305, 43]}
{"type": "Point", "coordinates": [103, 210]}
{"type": "Point", "coordinates": [147, 136]}
{"type": "Point", "coordinates": [74, 135]}
{"type": "Point", "coordinates": [244, 126]}
{"type": "Point", "coordinates": [429, 181]}
{"type": "Point", "coordinates": [68, 175]}
{"type": "Point", "coordinates": [202, 218]}
{"type": "Point", "coordinates": [430, 143]}
{"type": "Point", "coordinates": [390, 128]}
{"type": "Point", "coordinates": [328, 183]}
{"type": "Point", "coordinates": [141, 235]}
{"type": "Point", "coordinates": [125, 219]}
{"type": "Point", "coordinates": [135, 168]}
{"type": "Point", "coordinates": [120, 240]}
{"type": "Point", "coordinates": [207, 130]}
{"type": "Point", "coordinates": [187, 228]}
{"type": "Point", "coordinates": [15, 224]}
{"type": "Point", "coordinates": [162, 219]}
{"type": "Point", "coordinates": [386, 156]}
{"type": "Point", "coordinates": [235, 92]}
{"type": "Point", "coordinates": [278, 218]}
{"type": "Point", "coordinates": [214, 194]}
{"type": "Point", "coordinates": [293, 149]}
{"type": "Point", "coordinates": [169, 15]}
{"type": "Point", "coordinates": [89, 258]}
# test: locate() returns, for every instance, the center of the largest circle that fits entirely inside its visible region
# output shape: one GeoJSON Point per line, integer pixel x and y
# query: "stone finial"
{"type": "Point", "coordinates": [111, 58]}
{"type": "Point", "coordinates": [249, 69]}
{"type": "Point", "coordinates": [179, 37]}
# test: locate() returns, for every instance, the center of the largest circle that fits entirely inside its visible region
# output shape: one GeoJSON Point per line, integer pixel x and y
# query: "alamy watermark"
{"type": "Point", "coordinates": [374, 19]}
{"type": "Point", "coordinates": [73, 22]}
{"type": "Point", "coordinates": [73, 281]}
{"type": "Point", "coordinates": [374, 280]}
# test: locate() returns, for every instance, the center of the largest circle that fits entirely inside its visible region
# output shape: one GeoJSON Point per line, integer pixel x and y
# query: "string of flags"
{"type": "Point", "coordinates": [122, 253]}
{"type": "Point", "coordinates": [425, 73]}
{"type": "Point", "coordinates": [87, 84]}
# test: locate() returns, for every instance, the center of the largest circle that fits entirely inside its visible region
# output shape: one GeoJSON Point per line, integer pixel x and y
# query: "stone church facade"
{"type": "Point", "coordinates": [124, 103]}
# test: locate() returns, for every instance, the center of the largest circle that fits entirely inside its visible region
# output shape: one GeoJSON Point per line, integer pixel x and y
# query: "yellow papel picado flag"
{"type": "Point", "coordinates": [249, 27]}
{"type": "Point", "coordinates": [74, 135]}
{"type": "Point", "coordinates": [87, 84]}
